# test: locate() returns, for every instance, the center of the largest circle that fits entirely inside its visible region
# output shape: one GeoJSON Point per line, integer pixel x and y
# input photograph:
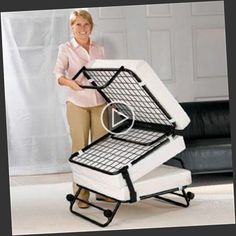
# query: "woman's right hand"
{"type": "Point", "coordinates": [69, 83]}
{"type": "Point", "coordinates": [73, 85]}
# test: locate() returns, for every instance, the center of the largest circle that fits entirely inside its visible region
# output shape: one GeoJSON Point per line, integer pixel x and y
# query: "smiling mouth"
{"type": "Point", "coordinates": [83, 33]}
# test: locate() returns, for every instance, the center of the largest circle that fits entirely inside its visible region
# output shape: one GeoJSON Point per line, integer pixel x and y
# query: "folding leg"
{"type": "Point", "coordinates": [187, 196]}
{"type": "Point", "coordinates": [109, 214]}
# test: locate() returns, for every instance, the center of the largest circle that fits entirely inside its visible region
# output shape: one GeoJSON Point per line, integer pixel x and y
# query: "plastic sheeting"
{"type": "Point", "coordinates": [37, 131]}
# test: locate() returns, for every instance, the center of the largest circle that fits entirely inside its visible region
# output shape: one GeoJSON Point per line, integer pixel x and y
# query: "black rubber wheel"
{"type": "Point", "coordinates": [107, 213]}
{"type": "Point", "coordinates": [70, 197]}
{"type": "Point", "coordinates": [190, 195]}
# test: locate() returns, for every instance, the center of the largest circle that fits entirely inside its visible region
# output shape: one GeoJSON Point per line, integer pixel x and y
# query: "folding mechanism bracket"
{"type": "Point", "coordinates": [125, 174]}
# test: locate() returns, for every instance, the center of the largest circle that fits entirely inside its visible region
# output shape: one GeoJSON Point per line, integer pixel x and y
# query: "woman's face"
{"type": "Point", "coordinates": [81, 29]}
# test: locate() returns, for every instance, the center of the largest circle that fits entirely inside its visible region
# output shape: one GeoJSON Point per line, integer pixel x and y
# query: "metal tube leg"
{"type": "Point", "coordinates": [187, 196]}
{"type": "Point", "coordinates": [109, 214]}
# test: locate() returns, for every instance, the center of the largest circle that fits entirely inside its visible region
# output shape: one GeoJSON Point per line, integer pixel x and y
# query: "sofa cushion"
{"type": "Point", "coordinates": [206, 156]}
{"type": "Point", "coordinates": [208, 119]}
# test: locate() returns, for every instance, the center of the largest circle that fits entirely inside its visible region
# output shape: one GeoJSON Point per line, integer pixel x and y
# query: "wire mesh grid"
{"type": "Point", "coordinates": [140, 136]}
{"type": "Point", "coordinates": [126, 88]}
{"type": "Point", "coordinates": [111, 154]}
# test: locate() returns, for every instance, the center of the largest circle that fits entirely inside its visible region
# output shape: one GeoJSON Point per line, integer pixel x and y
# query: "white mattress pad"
{"type": "Point", "coordinates": [160, 179]}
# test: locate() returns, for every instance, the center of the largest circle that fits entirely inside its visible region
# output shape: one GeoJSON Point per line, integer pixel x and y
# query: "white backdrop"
{"type": "Point", "coordinates": [38, 138]}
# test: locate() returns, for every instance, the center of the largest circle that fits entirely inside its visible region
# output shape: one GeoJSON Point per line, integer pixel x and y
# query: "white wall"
{"type": "Point", "coordinates": [183, 42]}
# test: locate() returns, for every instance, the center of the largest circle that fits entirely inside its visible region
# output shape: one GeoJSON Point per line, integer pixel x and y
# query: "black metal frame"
{"type": "Point", "coordinates": [117, 71]}
{"type": "Point", "coordinates": [110, 214]}
{"type": "Point", "coordinates": [166, 128]}
{"type": "Point", "coordinates": [120, 170]}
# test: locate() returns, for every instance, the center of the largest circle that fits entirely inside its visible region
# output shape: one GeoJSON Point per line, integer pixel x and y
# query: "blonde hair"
{"type": "Point", "coordinates": [83, 13]}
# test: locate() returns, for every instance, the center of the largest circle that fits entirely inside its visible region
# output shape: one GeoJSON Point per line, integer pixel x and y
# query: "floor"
{"type": "Point", "coordinates": [39, 206]}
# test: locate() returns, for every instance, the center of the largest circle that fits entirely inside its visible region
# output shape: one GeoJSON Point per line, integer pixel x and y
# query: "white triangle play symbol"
{"type": "Point", "coordinates": [124, 117]}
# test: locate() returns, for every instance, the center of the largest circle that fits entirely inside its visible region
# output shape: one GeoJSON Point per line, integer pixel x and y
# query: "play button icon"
{"type": "Point", "coordinates": [121, 117]}
{"type": "Point", "coordinates": [116, 113]}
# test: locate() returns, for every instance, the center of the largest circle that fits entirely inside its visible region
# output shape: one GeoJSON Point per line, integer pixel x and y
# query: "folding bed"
{"type": "Point", "coordinates": [127, 164]}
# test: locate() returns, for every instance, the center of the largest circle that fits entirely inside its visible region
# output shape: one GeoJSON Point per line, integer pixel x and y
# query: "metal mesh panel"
{"type": "Point", "coordinates": [140, 136]}
{"type": "Point", "coordinates": [126, 88]}
{"type": "Point", "coordinates": [112, 154]}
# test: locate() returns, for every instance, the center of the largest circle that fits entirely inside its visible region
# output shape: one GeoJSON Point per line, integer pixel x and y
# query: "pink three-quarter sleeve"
{"type": "Point", "coordinates": [61, 62]}
{"type": "Point", "coordinates": [71, 57]}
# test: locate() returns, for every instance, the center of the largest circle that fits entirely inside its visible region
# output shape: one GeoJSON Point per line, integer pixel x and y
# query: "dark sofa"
{"type": "Point", "coordinates": [207, 138]}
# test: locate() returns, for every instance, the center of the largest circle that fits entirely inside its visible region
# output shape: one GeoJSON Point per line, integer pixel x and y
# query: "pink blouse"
{"type": "Point", "coordinates": [71, 57]}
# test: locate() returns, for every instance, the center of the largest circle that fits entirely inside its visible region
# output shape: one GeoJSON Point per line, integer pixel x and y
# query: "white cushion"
{"type": "Point", "coordinates": [160, 179]}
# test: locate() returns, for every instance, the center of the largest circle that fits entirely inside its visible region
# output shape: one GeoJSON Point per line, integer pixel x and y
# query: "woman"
{"type": "Point", "coordinates": [84, 106]}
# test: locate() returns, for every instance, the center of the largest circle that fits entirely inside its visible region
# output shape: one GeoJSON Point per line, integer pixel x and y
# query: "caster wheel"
{"type": "Point", "coordinates": [107, 213]}
{"type": "Point", "coordinates": [190, 195]}
{"type": "Point", "coordinates": [70, 197]}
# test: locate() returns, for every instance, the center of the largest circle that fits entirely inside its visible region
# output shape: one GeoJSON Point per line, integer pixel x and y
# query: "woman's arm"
{"type": "Point", "coordinates": [69, 83]}
{"type": "Point", "coordinates": [61, 67]}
